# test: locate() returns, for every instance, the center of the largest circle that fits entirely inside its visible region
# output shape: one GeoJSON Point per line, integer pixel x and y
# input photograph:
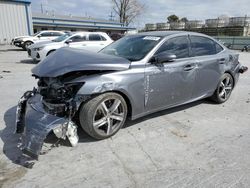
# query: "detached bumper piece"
{"type": "Point", "coordinates": [34, 123]}
{"type": "Point", "coordinates": [243, 69]}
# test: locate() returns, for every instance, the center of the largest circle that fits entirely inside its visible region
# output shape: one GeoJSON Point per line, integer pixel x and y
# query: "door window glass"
{"type": "Point", "coordinates": [45, 34]}
{"type": "Point", "coordinates": [178, 46]}
{"type": "Point", "coordinates": [94, 37]}
{"type": "Point", "coordinates": [78, 38]}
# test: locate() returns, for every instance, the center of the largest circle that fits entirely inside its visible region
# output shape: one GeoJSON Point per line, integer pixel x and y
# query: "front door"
{"type": "Point", "coordinates": [171, 83]}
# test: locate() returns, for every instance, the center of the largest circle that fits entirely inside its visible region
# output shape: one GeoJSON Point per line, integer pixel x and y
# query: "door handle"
{"type": "Point", "coordinates": [189, 67]}
{"type": "Point", "coordinates": [222, 60]}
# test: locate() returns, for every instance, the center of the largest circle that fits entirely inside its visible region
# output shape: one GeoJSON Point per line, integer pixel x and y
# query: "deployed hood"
{"type": "Point", "coordinates": [66, 60]}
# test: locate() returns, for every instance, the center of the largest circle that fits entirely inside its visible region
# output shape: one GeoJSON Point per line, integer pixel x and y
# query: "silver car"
{"type": "Point", "coordinates": [134, 76]}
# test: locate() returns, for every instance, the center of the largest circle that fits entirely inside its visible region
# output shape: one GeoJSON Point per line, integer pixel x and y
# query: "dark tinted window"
{"type": "Point", "coordinates": [78, 38]}
{"type": "Point", "coordinates": [56, 33]}
{"type": "Point", "coordinates": [177, 46]}
{"type": "Point", "coordinates": [94, 37]}
{"type": "Point", "coordinates": [218, 48]}
{"type": "Point", "coordinates": [46, 34]}
{"type": "Point", "coordinates": [202, 46]}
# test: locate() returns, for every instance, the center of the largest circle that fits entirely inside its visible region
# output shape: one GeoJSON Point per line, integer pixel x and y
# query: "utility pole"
{"type": "Point", "coordinates": [111, 16]}
{"type": "Point", "coordinates": [41, 8]}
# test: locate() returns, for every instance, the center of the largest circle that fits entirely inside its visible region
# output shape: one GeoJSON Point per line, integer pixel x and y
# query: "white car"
{"type": "Point", "coordinates": [25, 41]}
{"type": "Point", "coordinates": [92, 41]}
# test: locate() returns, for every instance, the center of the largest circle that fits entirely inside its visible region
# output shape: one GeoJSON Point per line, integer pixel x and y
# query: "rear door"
{"type": "Point", "coordinates": [96, 42]}
{"type": "Point", "coordinates": [170, 83]}
{"type": "Point", "coordinates": [209, 61]}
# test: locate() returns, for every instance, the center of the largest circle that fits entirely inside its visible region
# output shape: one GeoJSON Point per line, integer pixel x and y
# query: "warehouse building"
{"type": "Point", "coordinates": [72, 23]}
{"type": "Point", "coordinates": [15, 19]}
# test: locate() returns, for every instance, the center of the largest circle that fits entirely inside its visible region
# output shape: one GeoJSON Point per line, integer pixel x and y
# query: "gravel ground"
{"type": "Point", "coordinates": [196, 145]}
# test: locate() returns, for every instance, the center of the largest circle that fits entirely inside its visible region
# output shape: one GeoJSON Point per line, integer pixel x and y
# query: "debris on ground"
{"type": "Point", "coordinates": [5, 71]}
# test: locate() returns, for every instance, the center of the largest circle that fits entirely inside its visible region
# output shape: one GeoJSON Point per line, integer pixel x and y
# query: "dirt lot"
{"type": "Point", "coordinates": [196, 145]}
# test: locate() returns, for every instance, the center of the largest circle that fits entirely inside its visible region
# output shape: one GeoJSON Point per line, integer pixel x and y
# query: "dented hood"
{"type": "Point", "coordinates": [66, 60]}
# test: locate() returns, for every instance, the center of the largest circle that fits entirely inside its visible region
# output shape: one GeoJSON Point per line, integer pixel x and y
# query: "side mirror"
{"type": "Point", "coordinates": [39, 36]}
{"type": "Point", "coordinates": [68, 41]}
{"type": "Point", "coordinates": [163, 58]}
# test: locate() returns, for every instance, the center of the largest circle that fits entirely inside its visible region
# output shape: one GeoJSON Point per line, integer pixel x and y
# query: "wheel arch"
{"type": "Point", "coordinates": [50, 51]}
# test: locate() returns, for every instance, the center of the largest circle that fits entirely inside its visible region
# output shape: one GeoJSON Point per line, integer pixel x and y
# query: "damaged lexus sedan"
{"type": "Point", "coordinates": [134, 76]}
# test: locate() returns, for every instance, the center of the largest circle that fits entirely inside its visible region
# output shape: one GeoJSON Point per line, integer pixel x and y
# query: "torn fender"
{"type": "Point", "coordinates": [37, 124]}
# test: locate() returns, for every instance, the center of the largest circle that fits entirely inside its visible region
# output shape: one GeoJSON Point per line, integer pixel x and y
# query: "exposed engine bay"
{"type": "Point", "coordinates": [52, 102]}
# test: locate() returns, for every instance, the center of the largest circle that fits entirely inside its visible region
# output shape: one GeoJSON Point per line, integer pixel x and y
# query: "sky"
{"type": "Point", "coordinates": [155, 10]}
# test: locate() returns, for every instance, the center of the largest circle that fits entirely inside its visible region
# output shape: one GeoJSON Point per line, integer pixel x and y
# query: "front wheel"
{"type": "Point", "coordinates": [224, 89]}
{"type": "Point", "coordinates": [27, 44]}
{"type": "Point", "coordinates": [104, 115]}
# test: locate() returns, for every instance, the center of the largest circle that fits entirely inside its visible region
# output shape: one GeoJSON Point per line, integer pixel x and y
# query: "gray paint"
{"type": "Point", "coordinates": [61, 62]}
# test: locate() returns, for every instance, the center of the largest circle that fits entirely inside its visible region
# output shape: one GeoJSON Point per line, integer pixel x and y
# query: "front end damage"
{"type": "Point", "coordinates": [49, 108]}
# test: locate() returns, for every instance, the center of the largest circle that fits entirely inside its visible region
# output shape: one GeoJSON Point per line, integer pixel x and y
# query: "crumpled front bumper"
{"type": "Point", "coordinates": [34, 123]}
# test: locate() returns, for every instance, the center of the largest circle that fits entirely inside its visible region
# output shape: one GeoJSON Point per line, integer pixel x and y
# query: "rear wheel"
{"type": "Point", "coordinates": [104, 115]}
{"type": "Point", "coordinates": [224, 89]}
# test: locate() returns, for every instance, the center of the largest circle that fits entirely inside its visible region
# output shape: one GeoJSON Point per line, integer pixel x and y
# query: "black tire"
{"type": "Point", "coordinates": [218, 95]}
{"type": "Point", "coordinates": [93, 112]}
{"type": "Point", "coordinates": [27, 44]}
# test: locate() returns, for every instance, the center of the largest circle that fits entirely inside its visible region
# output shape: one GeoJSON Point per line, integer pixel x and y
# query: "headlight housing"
{"type": "Point", "coordinates": [38, 49]}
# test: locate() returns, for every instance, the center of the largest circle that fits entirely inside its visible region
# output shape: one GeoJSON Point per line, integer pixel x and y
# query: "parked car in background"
{"type": "Point", "coordinates": [132, 77]}
{"type": "Point", "coordinates": [92, 41]}
{"type": "Point", "coordinates": [116, 36]}
{"type": "Point", "coordinates": [246, 48]}
{"type": "Point", "coordinates": [25, 41]}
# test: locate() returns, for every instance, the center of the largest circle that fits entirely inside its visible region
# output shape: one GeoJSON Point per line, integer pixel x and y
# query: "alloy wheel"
{"type": "Point", "coordinates": [225, 88]}
{"type": "Point", "coordinates": [108, 116]}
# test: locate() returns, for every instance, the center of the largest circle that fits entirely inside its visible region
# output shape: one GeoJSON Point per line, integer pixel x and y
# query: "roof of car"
{"type": "Point", "coordinates": [168, 33]}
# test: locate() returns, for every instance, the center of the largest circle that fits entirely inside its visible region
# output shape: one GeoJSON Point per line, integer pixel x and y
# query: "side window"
{"type": "Point", "coordinates": [202, 46]}
{"type": "Point", "coordinates": [103, 38]}
{"type": "Point", "coordinates": [178, 46]}
{"type": "Point", "coordinates": [94, 37]}
{"type": "Point", "coordinates": [78, 38]}
{"type": "Point", "coordinates": [218, 48]}
{"type": "Point", "coordinates": [45, 34]}
{"type": "Point", "coordinates": [56, 34]}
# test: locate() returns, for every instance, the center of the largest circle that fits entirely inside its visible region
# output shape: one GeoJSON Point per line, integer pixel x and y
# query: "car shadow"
{"type": "Point", "coordinates": [11, 140]}
{"type": "Point", "coordinates": [27, 61]}
{"type": "Point", "coordinates": [12, 49]}
{"type": "Point", "coordinates": [130, 122]}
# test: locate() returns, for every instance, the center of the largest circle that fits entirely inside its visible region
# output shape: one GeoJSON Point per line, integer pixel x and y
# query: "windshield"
{"type": "Point", "coordinates": [35, 34]}
{"type": "Point", "coordinates": [133, 48]}
{"type": "Point", "coordinates": [62, 37]}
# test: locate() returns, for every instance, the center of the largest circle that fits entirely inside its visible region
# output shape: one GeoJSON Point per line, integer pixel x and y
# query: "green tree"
{"type": "Point", "coordinates": [173, 18]}
{"type": "Point", "coordinates": [184, 19]}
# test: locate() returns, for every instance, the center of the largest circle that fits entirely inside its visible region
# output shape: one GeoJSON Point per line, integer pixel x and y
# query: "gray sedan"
{"type": "Point", "coordinates": [134, 76]}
